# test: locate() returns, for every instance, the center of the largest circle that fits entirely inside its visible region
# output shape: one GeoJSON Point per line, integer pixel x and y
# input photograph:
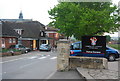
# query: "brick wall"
{"type": "Point", "coordinates": [27, 43]}
{"type": "Point", "coordinates": [7, 43]}
{"type": "Point", "coordinates": [53, 41]}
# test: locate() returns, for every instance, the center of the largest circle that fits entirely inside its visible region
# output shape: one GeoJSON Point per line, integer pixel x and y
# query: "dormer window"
{"type": "Point", "coordinates": [19, 31]}
{"type": "Point", "coordinates": [42, 33]}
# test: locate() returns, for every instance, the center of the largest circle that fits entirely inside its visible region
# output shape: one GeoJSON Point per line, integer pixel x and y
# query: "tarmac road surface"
{"type": "Point", "coordinates": [34, 65]}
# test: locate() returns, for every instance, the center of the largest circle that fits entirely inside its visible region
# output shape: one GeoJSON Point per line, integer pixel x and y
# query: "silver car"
{"type": "Point", "coordinates": [20, 47]}
{"type": "Point", "coordinates": [45, 47]}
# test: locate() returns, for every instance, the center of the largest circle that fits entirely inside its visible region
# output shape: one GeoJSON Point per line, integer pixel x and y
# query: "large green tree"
{"type": "Point", "coordinates": [84, 18]}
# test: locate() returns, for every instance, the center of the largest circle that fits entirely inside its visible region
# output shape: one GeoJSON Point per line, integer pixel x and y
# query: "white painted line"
{"type": "Point", "coordinates": [12, 60]}
{"type": "Point", "coordinates": [50, 75]}
{"type": "Point", "coordinates": [26, 65]}
{"type": "Point", "coordinates": [53, 58]}
{"type": "Point", "coordinates": [42, 57]}
{"type": "Point", "coordinates": [32, 57]}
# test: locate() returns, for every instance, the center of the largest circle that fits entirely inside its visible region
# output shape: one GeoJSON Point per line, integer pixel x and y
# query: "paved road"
{"type": "Point", "coordinates": [33, 65]}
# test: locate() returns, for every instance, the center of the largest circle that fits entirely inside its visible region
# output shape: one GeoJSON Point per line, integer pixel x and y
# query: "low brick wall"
{"type": "Point", "coordinates": [88, 62]}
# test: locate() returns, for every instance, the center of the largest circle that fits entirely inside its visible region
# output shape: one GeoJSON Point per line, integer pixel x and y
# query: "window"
{"type": "Point", "coordinates": [43, 41]}
{"type": "Point", "coordinates": [76, 46]}
{"type": "Point", "coordinates": [10, 40]}
{"type": "Point", "coordinates": [20, 46]}
{"type": "Point", "coordinates": [19, 31]}
{"type": "Point", "coordinates": [42, 34]}
{"type": "Point", "coordinates": [14, 40]}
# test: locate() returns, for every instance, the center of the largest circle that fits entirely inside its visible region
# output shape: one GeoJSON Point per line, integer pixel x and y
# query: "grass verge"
{"type": "Point", "coordinates": [116, 46]}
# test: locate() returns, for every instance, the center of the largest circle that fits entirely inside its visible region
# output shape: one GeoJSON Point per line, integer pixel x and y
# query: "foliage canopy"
{"type": "Point", "coordinates": [84, 18]}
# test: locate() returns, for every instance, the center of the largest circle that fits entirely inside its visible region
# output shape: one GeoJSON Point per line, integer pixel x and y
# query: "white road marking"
{"type": "Point", "coordinates": [12, 60]}
{"type": "Point", "coordinates": [53, 58]}
{"type": "Point", "coordinates": [26, 65]}
{"type": "Point", "coordinates": [42, 57]}
{"type": "Point", "coordinates": [33, 57]}
{"type": "Point", "coordinates": [50, 75]}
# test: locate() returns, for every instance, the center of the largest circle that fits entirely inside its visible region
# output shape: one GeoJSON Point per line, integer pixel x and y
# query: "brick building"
{"type": "Point", "coordinates": [8, 36]}
{"type": "Point", "coordinates": [53, 35]}
{"type": "Point", "coordinates": [30, 32]}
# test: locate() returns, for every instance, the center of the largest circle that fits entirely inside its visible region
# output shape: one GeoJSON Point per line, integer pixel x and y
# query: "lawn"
{"type": "Point", "coordinates": [116, 46]}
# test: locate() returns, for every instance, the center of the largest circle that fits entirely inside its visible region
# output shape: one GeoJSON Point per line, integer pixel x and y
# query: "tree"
{"type": "Point", "coordinates": [108, 38]}
{"type": "Point", "coordinates": [85, 18]}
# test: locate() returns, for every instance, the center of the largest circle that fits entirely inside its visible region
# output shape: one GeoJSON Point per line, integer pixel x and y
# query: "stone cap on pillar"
{"type": "Point", "coordinates": [63, 41]}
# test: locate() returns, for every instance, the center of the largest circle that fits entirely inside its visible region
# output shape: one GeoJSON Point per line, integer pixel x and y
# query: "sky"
{"type": "Point", "coordinates": [31, 9]}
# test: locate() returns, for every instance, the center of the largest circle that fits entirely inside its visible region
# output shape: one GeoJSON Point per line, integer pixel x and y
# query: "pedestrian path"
{"type": "Point", "coordinates": [66, 76]}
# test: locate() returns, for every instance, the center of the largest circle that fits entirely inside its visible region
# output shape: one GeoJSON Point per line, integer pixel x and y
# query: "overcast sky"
{"type": "Point", "coordinates": [31, 9]}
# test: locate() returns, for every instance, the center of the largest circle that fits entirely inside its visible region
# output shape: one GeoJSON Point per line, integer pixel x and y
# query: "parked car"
{"type": "Point", "coordinates": [111, 54]}
{"type": "Point", "coordinates": [45, 47]}
{"type": "Point", "coordinates": [21, 48]}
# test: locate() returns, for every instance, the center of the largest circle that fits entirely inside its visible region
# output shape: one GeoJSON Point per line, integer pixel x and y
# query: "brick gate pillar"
{"type": "Point", "coordinates": [63, 49]}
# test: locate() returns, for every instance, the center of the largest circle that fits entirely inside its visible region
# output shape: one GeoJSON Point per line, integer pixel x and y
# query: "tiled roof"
{"type": "Point", "coordinates": [7, 32]}
{"type": "Point", "coordinates": [31, 29]}
{"type": "Point", "coordinates": [47, 28]}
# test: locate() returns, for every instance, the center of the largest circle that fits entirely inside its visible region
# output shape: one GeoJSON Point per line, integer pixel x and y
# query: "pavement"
{"type": "Point", "coordinates": [72, 74]}
{"type": "Point", "coordinates": [34, 66]}
{"type": "Point", "coordinates": [94, 74]}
